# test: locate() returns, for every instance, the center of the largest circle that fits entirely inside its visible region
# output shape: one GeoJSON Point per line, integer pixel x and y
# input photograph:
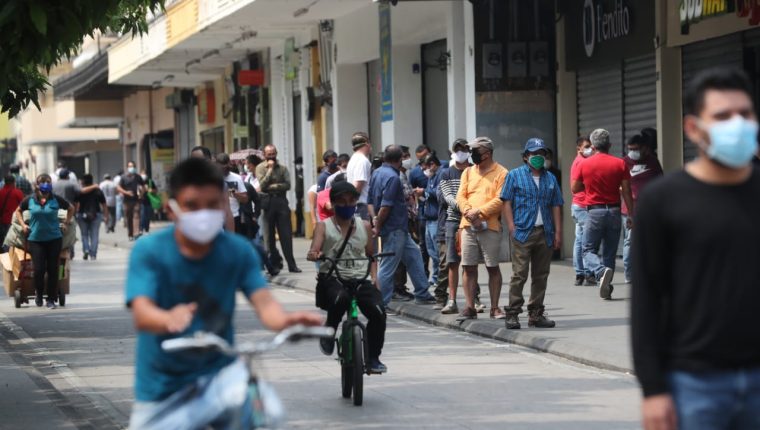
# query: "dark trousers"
{"type": "Point", "coordinates": [370, 303]}
{"type": "Point", "coordinates": [421, 227]}
{"type": "Point", "coordinates": [300, 227]}
{"type": "Point", "coordinates": [442, 287]}
{"type": "Point", "coordinates": [146, 216]}
{"type": "Point", "coordinates": [4, 232]}
{"type": "Point", "coordinates": [111, 218]}
{"type": "Point", "coordinates": [45, 261]}
{"type": "Point", "coordinates": [278, 218]}
{"type": "Point", "coordinates": [131, 213]}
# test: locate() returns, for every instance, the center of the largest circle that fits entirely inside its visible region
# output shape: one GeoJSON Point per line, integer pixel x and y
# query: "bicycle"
{"type": "Point", "coordinates": [268, 411]}
{"type": "Point", "coordinates": [352, 359]}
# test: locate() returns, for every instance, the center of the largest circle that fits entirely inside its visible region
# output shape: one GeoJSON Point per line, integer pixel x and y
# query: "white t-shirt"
{"type": "Point", "coordinates": [539, 218]}
{"type": "Point", "coordinates": [359, 169]}
{"type": "Point", "coordinates": [109, 191]}
{"type": "Point", "coordinates": [234, 182]}
{"type": "Point", "coordinates": [331, 178]}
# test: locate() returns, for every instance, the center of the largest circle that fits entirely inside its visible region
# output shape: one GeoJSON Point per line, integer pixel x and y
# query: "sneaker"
{"type": "Point", "coordinates": [590, 281]}
{"type": "Point", "coordinates": [605, 287]}
{"type": "Point", "coordinates": [51, 305]}
{"type": "Point", "coordinates": [497, 314]}
{"type": "Point", "coordinates": [390, 313]}
{"type": "Point", "coordinates": [377, 367]}
{"type": "Point", "coordinates": [450, 308]}
{"type": "Point", "coordinates": [85, 256]}
{"type": "Point", "coordinates": [38, 301]}
{"type": "Point", "coordinates": [628, 281]}
{"type": "Point", "coordinates": [327, 345]}
{"type": "Point", "coordinates": [400, 297]}
{"type": "Point", "coordinates": [467, 314]}
{"type": "Point", "coordinates": [512, 321]}
{"type": "Point", "coordinates": [429, 300]}
{"type": "Point", "coordinates": [537, 318]}
{"type": "Point", "coordinates": [579, 280]}
{"type": "Point", "coordinates": [93, 257]}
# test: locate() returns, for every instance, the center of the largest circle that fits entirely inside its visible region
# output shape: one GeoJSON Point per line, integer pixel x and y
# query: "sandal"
{"type": "Point", "coordinates": [497, 314]}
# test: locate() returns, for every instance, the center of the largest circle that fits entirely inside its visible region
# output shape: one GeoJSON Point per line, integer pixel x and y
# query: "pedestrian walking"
{"type": "Point", "coordinates": [109, 192]}
{"type": "Point", "coordinates": [67, 188]}
{"type": "Point", "coordinates": [532, 210]}
{"type": "Point", "coordinates": [695, 269]}
{"type": "Point", "coordinates": [388, 201]}
{"type": "Point", "coordinates": [131, 187]}
{"type": "Point", "coordinates": [22, 183]}
{"type": "Point", "coordinates": [583, 150]}
{"type": "Point", "coordinates": [44, 234]}
{"type": "Point", "coordinates": [480, 229]}
{"type": "Point", "coordinates": [92, 210]}
{"type": "Point", "coordinates": [70, 174]}
{"type": "Point", "coordinates": [149, 203]}
{"type": "Point", "coordinates": [359, 171]}
{"type": "Point", "coordinates": [275, 182]}
{"type": "Point", "coordinates": [119, 196]}
{"type": "Point", "coordinates": [10, 198]}
{"type": "Point", "coordinates": [644, 167]}
{"type": "Point", "coordinates": [432, 167]}
{"type": "Point", "coordinates": [602, 177]}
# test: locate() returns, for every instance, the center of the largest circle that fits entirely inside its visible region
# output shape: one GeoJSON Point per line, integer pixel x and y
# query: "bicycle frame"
{"type": "Point", "coordinates": [345, 335]}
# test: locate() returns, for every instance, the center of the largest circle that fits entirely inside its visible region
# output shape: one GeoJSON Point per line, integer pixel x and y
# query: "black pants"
{"type": "Point", "coordinates": [131, 213]}
{"type": "Point", "coordinates": [4, 232]}
{"type": "Point", "coordinates": [45, 261]}
{"type": "Point", "coordinates": [300, 227]}
{"type": "Point", "coordinates": [111, 218]}
{"type": "Point", "coordinates": [278, 217]}
{"type": "Point", "coordinates": [370, 303]}
{"type": "Point", "coordinates": [421, 227]}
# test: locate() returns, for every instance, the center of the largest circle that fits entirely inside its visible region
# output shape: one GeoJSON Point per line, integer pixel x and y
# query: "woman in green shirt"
{"type": "Point", "coordinates": [44, 235]}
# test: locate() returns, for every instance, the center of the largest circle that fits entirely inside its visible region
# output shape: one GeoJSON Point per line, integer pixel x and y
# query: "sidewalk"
{"type": "Point", "coordinates": [589, 330]}
{"type": "Point", "coordinates": [119, 239]}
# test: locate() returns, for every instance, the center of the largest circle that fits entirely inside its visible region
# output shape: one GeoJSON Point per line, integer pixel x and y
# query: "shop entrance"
{"type": "Point", "coordinates": [435, 104]}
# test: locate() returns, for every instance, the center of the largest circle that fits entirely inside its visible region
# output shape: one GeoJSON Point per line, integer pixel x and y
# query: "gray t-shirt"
{"type": "Point", "coordinates": [67, 189]}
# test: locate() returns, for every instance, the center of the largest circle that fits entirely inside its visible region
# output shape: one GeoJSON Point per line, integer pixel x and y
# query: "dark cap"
{"type": "Point", "coordinates": [339, 188]}
{"type": "Point", "coordinates": [64, 174]}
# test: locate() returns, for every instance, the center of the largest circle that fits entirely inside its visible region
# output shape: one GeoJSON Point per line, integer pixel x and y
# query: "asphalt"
{"type": "Point", "coordinates": [589, 330]}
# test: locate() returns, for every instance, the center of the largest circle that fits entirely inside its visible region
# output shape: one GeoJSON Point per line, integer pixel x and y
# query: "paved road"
{"type": "Point", "coordinates": [75, 364]}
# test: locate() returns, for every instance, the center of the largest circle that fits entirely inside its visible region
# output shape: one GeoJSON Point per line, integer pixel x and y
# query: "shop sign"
{"type": "Point", "coordinates": [694, 11]}
{"type": "Point", "coordinates": [601, 25]}
{"type": "Point", "coordinates": [291, 59]}
{"type": "Point", "coordinates": [206, 106]}
{"type": "Point", "coordinates": [386, 73]}
{"type": "Point", "coordinates": [252, 78]}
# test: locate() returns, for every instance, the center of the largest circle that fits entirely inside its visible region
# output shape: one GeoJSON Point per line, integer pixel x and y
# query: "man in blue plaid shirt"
{"type": "Point", "coordinates": [532, 207]}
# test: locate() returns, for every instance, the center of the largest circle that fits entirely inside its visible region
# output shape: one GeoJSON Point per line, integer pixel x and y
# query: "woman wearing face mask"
{"type": "Point", "coordinates": [329, 237]}
{"type": "Point", "coordinates": [44, 236]}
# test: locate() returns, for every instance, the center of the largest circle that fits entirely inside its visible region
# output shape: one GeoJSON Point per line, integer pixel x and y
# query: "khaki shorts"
{"type": "Point", "coordinates": [480, 246]}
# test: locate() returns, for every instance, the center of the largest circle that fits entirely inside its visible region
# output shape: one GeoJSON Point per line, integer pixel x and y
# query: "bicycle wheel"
{"type": "Point", "coordinates": [346, 370]}
{"type": "Point", "coordinates": [358, 366]}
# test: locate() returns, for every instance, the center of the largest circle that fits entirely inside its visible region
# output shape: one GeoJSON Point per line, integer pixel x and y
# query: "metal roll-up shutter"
{"type": "Point", "coordinates": [695, 57]}
{"type": "Point", "coordinates": [639, 95]}
{"type": "Point", "coordinates": [600, 101]}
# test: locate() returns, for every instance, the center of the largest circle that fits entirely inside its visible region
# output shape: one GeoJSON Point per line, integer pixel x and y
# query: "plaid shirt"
{"type": "Point", "coordinates": [24, 185]}
{"type": "Point", "coordinates": [527, 200]}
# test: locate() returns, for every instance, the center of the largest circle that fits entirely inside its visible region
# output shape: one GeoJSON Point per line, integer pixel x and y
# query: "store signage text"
{"type": "Point", "coordinates": [601, 24]}
{"type": "Point", "coordinates": [693, 11]}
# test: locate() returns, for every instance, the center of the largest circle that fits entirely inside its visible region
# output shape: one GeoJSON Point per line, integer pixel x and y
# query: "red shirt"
{"type": "Point", "coordinates": [579, 199]}
{"type": "Point", "coordinates": [602, 175]}
{"type": "Point", "coordinates": [11, 197]}
{"type": "Point", "coordinates": [323, 198]}
{"type": "Point", "coordinates": [642, 173]}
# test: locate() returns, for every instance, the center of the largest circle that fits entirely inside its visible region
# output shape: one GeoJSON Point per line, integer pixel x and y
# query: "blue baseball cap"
{"type": "Point", "coordinates": [534, 145]}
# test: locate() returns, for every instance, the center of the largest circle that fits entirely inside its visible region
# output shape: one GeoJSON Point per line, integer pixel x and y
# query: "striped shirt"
{"type": "Point", "coordinates": [449, 185]}
{"type": "Point", "coordinates": [527, 199]}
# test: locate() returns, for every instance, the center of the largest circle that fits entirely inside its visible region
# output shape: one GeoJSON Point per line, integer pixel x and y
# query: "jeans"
{"type": "Point", "coordinates": [146, 215]}
{"type": "Point", "coordinates": [602, 228]}
{"type": "Point", "coordinates": [580, 215]}
{"type": "Point", "coordinates": [728, 399]}
{"type": "Point", "coordinates": [431, 242]}
{"type": "Point", "coordinates": [45, 262]}
{"type": "Point", "coordinates": [119, 207]}
{"type": "Point", "coordinates": [219, 401]}
{"type": "Point", "coordinates": [90, 230]}
{"type": "Point", "coordinates": [111, 218]}
{"type": "Point", "coordinates": [627, 249]}
{"type": "Point", "coordinates": [401, 243]}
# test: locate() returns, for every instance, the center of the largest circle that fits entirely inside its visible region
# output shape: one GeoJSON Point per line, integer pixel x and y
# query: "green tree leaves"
{"type": "Point", "coordinates": [36, 34]}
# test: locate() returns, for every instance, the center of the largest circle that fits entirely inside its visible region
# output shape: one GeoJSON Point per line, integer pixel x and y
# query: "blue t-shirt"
{"type": "Point", "coordinates": [385, 190]}
{"type": "Point", "coordinates": [159, 272]}
{"type": "Point", "coordinates": [43, 219]}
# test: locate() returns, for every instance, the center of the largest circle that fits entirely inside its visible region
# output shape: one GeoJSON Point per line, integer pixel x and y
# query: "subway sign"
{"type": "Point", "coordinates": [602, 23]}
{"type": "Point", "coordinates": [694, 11]}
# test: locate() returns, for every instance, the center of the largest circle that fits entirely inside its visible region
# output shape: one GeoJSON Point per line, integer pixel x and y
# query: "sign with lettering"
{"type": "Point", "coordinates": [386, 70]}
{"type": "Point", "coordinates": [691, 12]}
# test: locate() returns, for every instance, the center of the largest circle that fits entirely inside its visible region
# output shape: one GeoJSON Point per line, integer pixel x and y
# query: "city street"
{"type": "Point", "coordinates": [73, 367]}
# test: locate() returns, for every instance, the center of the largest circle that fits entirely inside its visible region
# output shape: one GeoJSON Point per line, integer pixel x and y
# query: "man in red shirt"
{"type": "Point", "coordinates": [602, 177]}
{"type": "Point", "coordinates": [583, 150]}
{"type": "Point", "coordinates": [10, 198]}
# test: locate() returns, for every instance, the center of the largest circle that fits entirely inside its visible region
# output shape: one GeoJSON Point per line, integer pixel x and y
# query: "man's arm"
{"type": "Point", "coordinates": [315, 251]}
{"type": "Point", "coordinates": [90, 188]}
{"type": "Point", "coordinates": [493, 206]}
{"type": "Point", "coordinates": [274, 317]}
{"type": "Point", "coordinates": [241, 194]}
{"type": "Point", "coordinates": [370, 251]}
{"type": "Point", "coordinates": [509, 217]}
{"type": "Point", "coordinates": [382, 216]}
{"type": "Point", "coordinates": [447, 189]}
{"type": "Point", "coordinates": [229, 220]}
{"type": "Point", "coordinates": [150, 318]}
{"type": "Point", "coordinates": [627, 197]}
{"type": "Point", "coordinates": [360, 185]}
{"type": "Point", "coordinates": [275, 181]}
{"type": "Point", "coordinates": [462, 194]}
{"type": "Point", "coordinates": [557, 218]}
{"type": "Point", "coordinates": [577, 186]}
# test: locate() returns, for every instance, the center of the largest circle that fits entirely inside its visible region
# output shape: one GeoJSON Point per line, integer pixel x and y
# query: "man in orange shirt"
{"type": "Point", "coordinates": [478, 200]}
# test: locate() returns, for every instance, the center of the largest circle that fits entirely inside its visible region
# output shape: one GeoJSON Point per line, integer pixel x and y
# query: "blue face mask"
{"type": "Point", "coordinates": [733, 142]}
{"type": "Point", "coordinates": [345, 212]}
{"type": "Point", "coordinates": [46, 187]}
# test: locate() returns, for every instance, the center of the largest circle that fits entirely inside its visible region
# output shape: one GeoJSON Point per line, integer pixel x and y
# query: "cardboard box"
{"type": "Point", "coordinates": [8, 282]}
{"type": "Point", "coordinates": [18, 272]}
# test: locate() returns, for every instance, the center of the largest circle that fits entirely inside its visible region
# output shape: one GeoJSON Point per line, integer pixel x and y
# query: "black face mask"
{"type": "Point", "coordinates": [477, 157]}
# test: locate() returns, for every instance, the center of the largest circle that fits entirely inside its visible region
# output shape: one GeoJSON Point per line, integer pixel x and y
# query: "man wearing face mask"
{"type": "Point", "coordinates": [644, 166]}
{"type": "Point", "coordinates": [236, 190]}
{"type": "Point", "coordinates": [602, 177]}
{"type": "Point", "coordinates": [275, 182]}
{"type": "Point", "coordinates": [583, 150]}
{"type": "Point", "coordinates": [330, 158]}
{"type": "Point", "coordinates": [131, 187]}
{"type": "Point", "coordinates": [418, 182]}
{"type": "Point", "coordinates": [695, 269]}
{"type": "Point", "coordinates": [359, 171]}
{"type": "Point", "coordinates": [532, 210]}
{"type": "Point", "coordinates": [432, 168]}
{"type": "Point", "coordinates": [182, 280]}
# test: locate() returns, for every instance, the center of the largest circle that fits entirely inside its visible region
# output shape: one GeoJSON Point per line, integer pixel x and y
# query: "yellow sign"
{"type": "Point", "coordinates": [162, 155]}
{"type": "Point", "coordinates": [692, 11]}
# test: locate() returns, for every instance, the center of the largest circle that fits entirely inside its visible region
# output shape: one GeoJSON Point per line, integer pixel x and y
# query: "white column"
{"type": "Point", "coordinates": [281, 116]}
{"type": "Point", "coordinates": [406, 127]}
{"type": "Point", "coordinates": [461, 74]}
{"type": "Point", "coordinates": [349, 104]}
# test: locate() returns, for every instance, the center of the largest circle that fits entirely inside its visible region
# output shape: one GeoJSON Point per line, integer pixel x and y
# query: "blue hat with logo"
{"type": "Point", "coordinates": [534, 145]}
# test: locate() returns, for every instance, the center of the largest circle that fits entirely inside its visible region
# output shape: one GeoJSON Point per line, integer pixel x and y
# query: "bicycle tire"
{"type": "Point", "coordinates": [358, 366]}
{"type": "Point", "coordinates": [346, 370]}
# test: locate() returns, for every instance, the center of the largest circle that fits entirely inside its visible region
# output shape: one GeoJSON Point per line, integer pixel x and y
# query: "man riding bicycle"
{"type": "Point", "coordinates": [329, 240]}
{"type": "Point", "coordinates": [182, 280]}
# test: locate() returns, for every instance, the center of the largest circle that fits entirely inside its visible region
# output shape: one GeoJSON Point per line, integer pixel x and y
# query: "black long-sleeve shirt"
{"type": "Point", "coordinates": [696, 278]}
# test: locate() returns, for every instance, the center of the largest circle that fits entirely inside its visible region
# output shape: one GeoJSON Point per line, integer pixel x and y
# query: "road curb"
{"type": "Point", "coordinates": [490, 329]}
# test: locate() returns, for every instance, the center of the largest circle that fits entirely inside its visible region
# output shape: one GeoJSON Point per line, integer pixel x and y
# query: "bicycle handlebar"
{"type": "Point", "coordinates": [210, 341]}
{"type": "Point", "coordinates": [370, 259]}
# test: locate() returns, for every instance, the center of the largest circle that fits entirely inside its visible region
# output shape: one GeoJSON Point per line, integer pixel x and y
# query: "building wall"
{"type": "Point", "coordinates": [145, 113]}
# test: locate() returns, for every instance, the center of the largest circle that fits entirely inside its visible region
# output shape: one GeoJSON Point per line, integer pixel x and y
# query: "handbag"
{"type": "Point", "coordinates": [323, 279]}
{"type": "Point", "coordinates": [154, 200]}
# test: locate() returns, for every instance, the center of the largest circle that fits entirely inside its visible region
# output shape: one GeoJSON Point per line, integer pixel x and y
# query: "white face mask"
{"type": "Point", "coordinates": [406, 164]}
{"type": "Point", "coordinates": [428, 173]}
{"type": "Point", "coordinates": [460, 156]}
{"type": "Point", "coordinates": [588, 152]}
{"type": "Point", "coordinates": [201, 226]}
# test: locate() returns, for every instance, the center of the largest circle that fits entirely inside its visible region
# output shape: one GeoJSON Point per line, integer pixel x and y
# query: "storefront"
{"type": "Point", "coordinates": [609, 44]}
